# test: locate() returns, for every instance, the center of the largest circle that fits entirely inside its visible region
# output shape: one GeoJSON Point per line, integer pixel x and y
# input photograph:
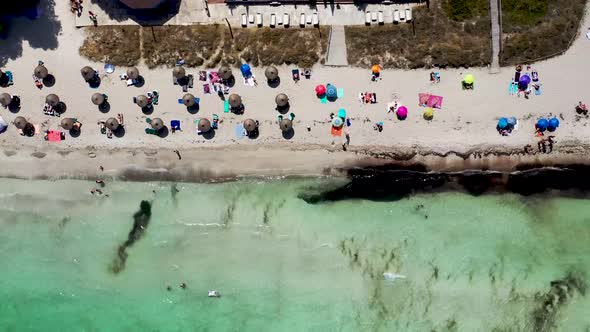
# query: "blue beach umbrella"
{"type": "Point", "coordinates": [331, 91]}
{"type": "Point", "coordinates": [502, 123]}
{"type": "Point", "coordinates": [542, 124]}
{"type": "Point", "coordinates": [245, 69]}
{"type": "Point", "coordinates": [553, 124]}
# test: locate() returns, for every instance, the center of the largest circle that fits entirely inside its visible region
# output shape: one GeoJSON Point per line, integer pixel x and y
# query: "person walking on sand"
{"type": "Point", "coordinates": [178, 154]}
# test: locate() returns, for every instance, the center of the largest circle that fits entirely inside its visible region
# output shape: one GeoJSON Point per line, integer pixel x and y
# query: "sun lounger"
{"type": "Point", "coordinates": [279, 19]}
{"type": "Point", "coordinates": [286, 18]}
{"type": "Point", "coordinates": [402, 15]}
{"type": "Point", "coordinates": [408, 14]}
{"type": "Point", "coordinates": [315, 20]}
{"type": "Point", "coordinates": [395, 16]}
{"type": "Point", "coordinates": [244, 20]}
{"type": "Point", "coordinates": [259, 19]}
{"type": "Point", "coordinates": [368, 18]}
{"type": "Point", "coordinates": [251, 19]}
{"type": "Point", "coordinates": [380, 17]}
{"type": "Point", "coordinates": [302, 20]}
{"type": "Point", "coordinates": [308, 19]}
{"type": "Point", "coordinates": [373, 16]}
{"type": "Point", "coordinates": [273, 20]}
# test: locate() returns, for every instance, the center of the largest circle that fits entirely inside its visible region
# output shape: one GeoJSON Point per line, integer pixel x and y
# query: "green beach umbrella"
{"type": "Point", "coordinates": [52, 99]}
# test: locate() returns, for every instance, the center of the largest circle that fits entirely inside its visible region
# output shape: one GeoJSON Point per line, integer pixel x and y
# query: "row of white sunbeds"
{"type": "Point", "coordinates": [284, 20]}
{"type": "Point", "coordinates": [399, 16]}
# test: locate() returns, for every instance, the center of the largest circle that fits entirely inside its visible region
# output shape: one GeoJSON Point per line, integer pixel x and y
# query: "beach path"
{"type": "Point", "coordinates": [337, 48]}
{"type": "Point", "coordinates": [496, 34]}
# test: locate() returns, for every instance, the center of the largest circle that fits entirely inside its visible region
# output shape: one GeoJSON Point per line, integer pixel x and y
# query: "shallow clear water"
{"type": "Point", "coordinates": [471, 263]}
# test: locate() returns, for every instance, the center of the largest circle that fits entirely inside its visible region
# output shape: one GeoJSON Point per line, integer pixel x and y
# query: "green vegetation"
{"type": "Point", "coordinates": [462, 10]}
{"type": "Point", "coordinates": [544, 30]}
{"type": "Point", "coordinates": [437, 41]}
{"type": "Point", "coordinates": [205, 45]}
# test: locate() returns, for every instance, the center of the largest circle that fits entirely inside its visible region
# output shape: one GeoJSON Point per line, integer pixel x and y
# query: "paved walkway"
{"type": "Point", "coordinates": [337, 48]}
{"type": "Point", "coordinates": [496, 34]}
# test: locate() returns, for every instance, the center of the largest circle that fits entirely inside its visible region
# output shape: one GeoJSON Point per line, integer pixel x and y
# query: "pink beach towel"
{"type": "Point", "coordinates": [423, 99]}
{"type": "Point", "coordinates": [435, 101]}
{"type": "Point", "coordinates": [53, 136]}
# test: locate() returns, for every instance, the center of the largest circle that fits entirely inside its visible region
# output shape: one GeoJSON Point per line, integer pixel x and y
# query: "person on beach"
{"type": "Point", "coordinates": [178, 154]}
{"type": "Point", "coordinates": [183, 285]}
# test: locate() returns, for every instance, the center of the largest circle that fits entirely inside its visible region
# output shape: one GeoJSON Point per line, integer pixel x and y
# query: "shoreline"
{"type": "Point", "coordinates": [219, 164]}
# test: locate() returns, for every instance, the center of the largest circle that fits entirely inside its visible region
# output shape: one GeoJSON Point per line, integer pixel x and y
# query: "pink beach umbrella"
{"type": "Point", "coordinates": [402, 112]}
{"type": "Point", "coordinates": [320, 90]}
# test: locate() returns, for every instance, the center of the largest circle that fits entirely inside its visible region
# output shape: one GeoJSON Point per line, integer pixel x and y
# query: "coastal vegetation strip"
{"type": "Point", "coordinates": [205, 45]}
{"type": "Point", "coordinates": [538, 29]}
{"type": "Point", "coordinates": [433, 38]}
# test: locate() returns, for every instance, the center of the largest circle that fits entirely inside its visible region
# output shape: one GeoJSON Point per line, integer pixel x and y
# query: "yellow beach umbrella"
{"type": "Point", "coordinates": [468, 79]}
{"type": "Point", "coordinates": [428, 113]}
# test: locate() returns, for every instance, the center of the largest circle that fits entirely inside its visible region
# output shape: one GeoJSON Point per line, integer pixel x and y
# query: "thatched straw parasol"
{"type": "Point", "coordinates": [271, 73]}
{"type": "Point", "coordinates": [41, 72]}
{"type": "Point", "coordinates": [132, 73]}
{"type": "Point", "coordinates": [52, 99]}
{"type": "Point", "coordinates": [67, 123]}
{"type": "Point", "coordinates": [178, 72]}
{"type": "Point", "coordinates": [157, 123]}
{"type": "Point", "coordinates": [235, 100]}
{"type": "Point", "coordinates": [97, 98]}
{"type": "Point", "coordinates": [5, 99]}
{"type": "Point", "coordinates": [188, 100]}
{"type": "Point", "coordinates": [204, 125]}
{"type": "Point", "coordinates": [20, 122]}
{"type": "Point", "coordinates": [225, 73]}
{"type": "Point", "coordinates": [249, 125]}
{"type": "Point", "coordinates": [142, 101]}
{"type": "Point", "coordinates": [286, 125]}
{"type": "Point", "coordinates": [87, 73]}
{"type": "Point", "coordinates": [282, 100]}
{"type": "Point", "coordinates": [112, 124]}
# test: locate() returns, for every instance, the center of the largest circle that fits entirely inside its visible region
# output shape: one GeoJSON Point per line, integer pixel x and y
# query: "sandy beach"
{"type": "Point", "coordinates": [462, 130]}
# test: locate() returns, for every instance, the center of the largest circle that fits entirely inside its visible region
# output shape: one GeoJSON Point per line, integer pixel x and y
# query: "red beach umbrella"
{"type": "Point", "coordinates": [320, 90]}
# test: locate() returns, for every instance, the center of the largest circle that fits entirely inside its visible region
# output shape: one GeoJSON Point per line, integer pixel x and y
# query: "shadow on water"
{"type": "Point", "coordinates": [157, 16]}
{"type": "Point", "coordinates": [394, 182]}
{"type": "Point", "coordinates": [40, 32]}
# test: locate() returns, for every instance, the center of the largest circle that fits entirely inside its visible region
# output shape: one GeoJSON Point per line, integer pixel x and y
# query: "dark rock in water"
{"type": "Point", "coordinates": [141, 220]}
{"type": "Point", "coordinates": [389, 183]}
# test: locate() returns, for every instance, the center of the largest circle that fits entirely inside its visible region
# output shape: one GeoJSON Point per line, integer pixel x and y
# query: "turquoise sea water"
{"type": "Point", "coordinates": [471, 263]}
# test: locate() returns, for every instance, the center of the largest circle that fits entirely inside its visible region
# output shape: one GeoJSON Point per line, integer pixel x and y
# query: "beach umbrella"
{"type": "Point", "coordinates": [502, 123]}
{"type": "Point", "coordinates": [235, 100]}
{"type": "Point", "coordinates": [20, 122]}
{"type": "Point", "coordinates": [87, 73]}
{"type": "Point", "coordinates": [337, 122]}
{"type": "Point", "coordinates": [52, 99]}
{"type": "Point", "coordinates": [245, 69]}
{"type": "Point", "coordinates": [204, 125]}
{"type": "Point", "coordinates": [271, 73]}
{"type": "Point", "coordinates": [320, 90]}
{"type": "Point", "coordinates": [376, 69]}
{"type": "Point", "coordinates": [112, 124]}
{"type": "Point", "coordinates": [524, 80]}
{"type": "Point", "coordinates": [178, 72]}
{"type": "Point", "coordinates": [142, 101]}
{"type": "Point", "coordinates": [225, 72]}
{"type": "Point", "coordinates": [402, 112]}
{"type": "Point", "coordinates": [553, 124]}
{"type": "Point", "coordinates": [67, 123]}
{"type": "Point", "coordinates": [3, 125]}
{"type": "Point", "coordinates": [282, 100]}
{"type": "Point", "coordinates": [249, 125]}
{"type": "Point", "coordinates": [157, 123]}
{"type": "Point", "coordinates": [542, 124]}
{"type": "Point", "coordinates": [331, 91]}
{"type": "Point", "coordinates": [342, 113]}
{"type": "Point", "coordinates": [469, 79]}
{"type": "Point", "coordinates": [5, 99]}
{"type": "Point", "coordinates": [132, 73]}
{"type": "Point", "coordinates": [97, 98]}
{"type": "Point", "coordinates": [41, 72]}
{"type": "Point", "coordinates": [188, 100]}
{"type": "Point", "coordinates": [428, 113]}
{"type": "Point", "coordinates": [286, 125]}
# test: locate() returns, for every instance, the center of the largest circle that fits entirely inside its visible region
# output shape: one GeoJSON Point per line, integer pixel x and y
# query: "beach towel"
{"type": "Point", "coordinates": [226, 106]}
{"type": "Point", "coordinates": [249, 81]}
{"type": "Point", "coordinates": [206, 88]}
{"type": "Point", "coordinates": [324, 99]}
{"type": "Point", "coordinates": [340, 92]}
{"type": "Point", "coordinates": [202, 75]}
{"type": "Point", "coordinates": [214, 77]}
{"type": "Point", "coordinates": [109, 68]}
{"type": "Point", "coordinates": [54, 136]}
{"type": "Point", "coordinates": [538, 91]}
{"type": "Point", "coordinates": [239, 131]}
{"type": "Point", "coordinates": [434, 101]}
{"type": "Point", "coordinates": [336, 131]}
{"type": "Point", "coordinates": [175, 124]}
{"type": "Point", "coordinates": [423, 99]}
